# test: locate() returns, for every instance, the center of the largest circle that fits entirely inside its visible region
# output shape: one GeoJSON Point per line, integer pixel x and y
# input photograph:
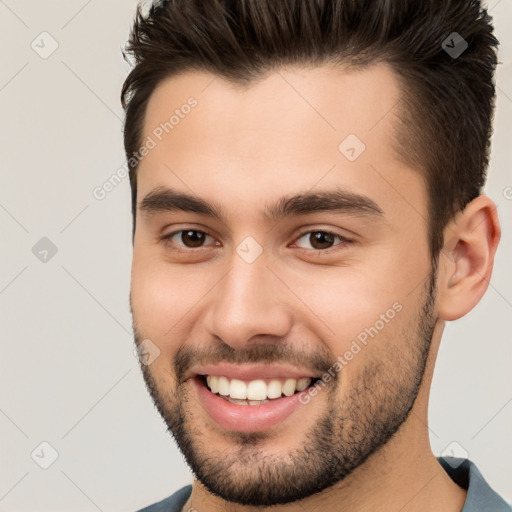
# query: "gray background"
{"type": "Point", "coordinates": [68, 373]}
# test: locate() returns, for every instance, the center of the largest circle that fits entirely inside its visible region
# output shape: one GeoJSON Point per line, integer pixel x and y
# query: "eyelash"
{"type": "Point", "coordinates": [343, 241]}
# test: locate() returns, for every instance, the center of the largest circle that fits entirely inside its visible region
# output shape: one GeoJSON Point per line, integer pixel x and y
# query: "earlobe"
{"type": "Point", "coordinates": [471, 240]}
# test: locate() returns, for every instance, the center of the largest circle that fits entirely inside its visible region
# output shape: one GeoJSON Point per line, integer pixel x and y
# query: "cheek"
{"type": "Point", "coordinates": [362, 303]}
{"type": "Point", "coordinates": [165, 298]}
{"type": "Point", "coordinates": [349, 315]}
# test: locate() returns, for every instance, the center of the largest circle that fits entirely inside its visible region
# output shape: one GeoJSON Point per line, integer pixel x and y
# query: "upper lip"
{"type": "Point", "coordinates": [250, 372]}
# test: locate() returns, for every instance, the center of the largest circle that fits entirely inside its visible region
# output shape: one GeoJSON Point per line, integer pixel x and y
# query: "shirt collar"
{"type": "Point", "coordinates": [480, 496]}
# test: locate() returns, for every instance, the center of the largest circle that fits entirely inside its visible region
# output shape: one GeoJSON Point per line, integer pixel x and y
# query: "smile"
{"type": "Point", "coordinates": [255, 392]}
{"type": "Point", "coordinates": [250, 399]}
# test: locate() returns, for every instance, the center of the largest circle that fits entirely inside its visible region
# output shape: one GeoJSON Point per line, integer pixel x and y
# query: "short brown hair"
{"type": "Point", "coordinates": [448, 99]}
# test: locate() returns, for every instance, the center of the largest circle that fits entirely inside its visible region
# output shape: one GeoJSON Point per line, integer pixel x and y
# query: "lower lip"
{"type": "Point", "coordinates": [246, 418]}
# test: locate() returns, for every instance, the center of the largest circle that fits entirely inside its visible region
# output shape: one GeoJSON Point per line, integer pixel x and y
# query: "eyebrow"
{"type": "Point", "coordinates": [163, 199]}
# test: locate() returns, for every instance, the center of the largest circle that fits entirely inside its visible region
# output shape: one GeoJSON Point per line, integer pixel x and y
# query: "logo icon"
{"type": "Point", "coordinates": [44, 250]}
{"type": "Point", "coordinates": [44, 45]}
{"type": "Point", "coordinates": [249, 249]}
{"type": "Point", "coordinates": [351, 147]}
{"type": "Point", "coordinates": [44, 455]}
{"type": "Point", "coordinates": [454, 45]}
{"type": "Point", "coordinates": [454, 454]}
{"type": "Point", "coordinates": [146, 351]}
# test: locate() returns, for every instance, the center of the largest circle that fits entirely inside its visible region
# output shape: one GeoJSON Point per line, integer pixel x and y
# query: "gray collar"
{"type": "Point", "coordinates": [480, 496]}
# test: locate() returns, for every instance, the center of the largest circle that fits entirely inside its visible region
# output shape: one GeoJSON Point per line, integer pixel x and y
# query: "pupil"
{"type": "Point", "coordinates": [195, 238]}
{"type": "Point", "coordinates": [319, 238]}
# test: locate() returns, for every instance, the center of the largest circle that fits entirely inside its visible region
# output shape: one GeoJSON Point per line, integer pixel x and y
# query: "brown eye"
{"type": "Point", "coordinates": [185, 239]}
{"type": "Point", "coordinates": [321, 240]}
{"type": "Point", "coordinates": [192, 238]}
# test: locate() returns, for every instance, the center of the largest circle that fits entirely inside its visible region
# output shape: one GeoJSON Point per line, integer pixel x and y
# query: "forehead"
{"type": "Point", "coordinates": [293, 130]}
{"type": "Point", "coordinates": [310, 103]}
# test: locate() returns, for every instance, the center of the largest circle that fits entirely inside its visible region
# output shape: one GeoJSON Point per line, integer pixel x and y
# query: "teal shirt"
{"type": "Point", "coordinates": [480, 496]}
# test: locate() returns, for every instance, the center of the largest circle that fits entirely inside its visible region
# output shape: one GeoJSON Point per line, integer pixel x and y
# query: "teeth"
{"type": "Point", "coordinates": [255, 392]}
{"type": "Point", "coordinates": [246, 402]}
{"type": "Point", "coordinates": [274, 389]}
{"type": "Point", "coordinates": [223, 384]}
{"type": "Point", "coordinates": [238, 389]}
{"type": "Point", "coordinates": [303, 383]}
{"type": "Point", "coordinates": [289, 387]}
{"type": "Point", "coordinates": [213, 384]}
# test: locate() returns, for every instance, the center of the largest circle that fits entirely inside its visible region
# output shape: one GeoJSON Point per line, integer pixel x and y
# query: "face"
{"type": "Point", "coordinates": [277, 259]}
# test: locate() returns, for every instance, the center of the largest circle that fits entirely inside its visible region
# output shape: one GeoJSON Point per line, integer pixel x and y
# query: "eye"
{"type": "Point", "coordinates": [188, 238]}
{"type": "Point", "coordinates": [184, 240]}
{"type": "Point", "coordinates": [322, 240]}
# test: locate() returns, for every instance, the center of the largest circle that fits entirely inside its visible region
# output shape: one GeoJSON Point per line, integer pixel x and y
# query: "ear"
{"type": "Point", "coordinates": [467, 258]}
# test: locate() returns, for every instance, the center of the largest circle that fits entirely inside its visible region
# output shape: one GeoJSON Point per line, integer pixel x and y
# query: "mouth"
{"type": "Point", "coordinates": [255, 392]}
{"type": "Point", "coordinates": [250, 405]}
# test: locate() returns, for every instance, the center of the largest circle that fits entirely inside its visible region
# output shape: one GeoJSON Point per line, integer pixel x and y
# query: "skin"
{"type": "Point", "coordinates": [243, 147]}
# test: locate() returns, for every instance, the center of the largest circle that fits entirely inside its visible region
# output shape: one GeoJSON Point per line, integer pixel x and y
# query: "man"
{"type": "Point", "coordinates": [307, 212]}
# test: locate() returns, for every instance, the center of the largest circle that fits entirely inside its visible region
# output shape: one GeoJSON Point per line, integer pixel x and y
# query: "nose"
{"type": "Point", "coordinates": [249, 301]}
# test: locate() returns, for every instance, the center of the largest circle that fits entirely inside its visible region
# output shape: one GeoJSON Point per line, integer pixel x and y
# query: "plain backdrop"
{"type": "Point", "coordinates": [69, 378]}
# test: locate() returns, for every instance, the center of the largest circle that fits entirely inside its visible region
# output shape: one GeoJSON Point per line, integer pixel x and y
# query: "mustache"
{"type": "Point", "coordinates": [266, 352]}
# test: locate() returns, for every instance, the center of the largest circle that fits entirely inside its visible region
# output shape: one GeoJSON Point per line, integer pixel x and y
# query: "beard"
{"type": "Point", "coordinates": [376, 402]}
